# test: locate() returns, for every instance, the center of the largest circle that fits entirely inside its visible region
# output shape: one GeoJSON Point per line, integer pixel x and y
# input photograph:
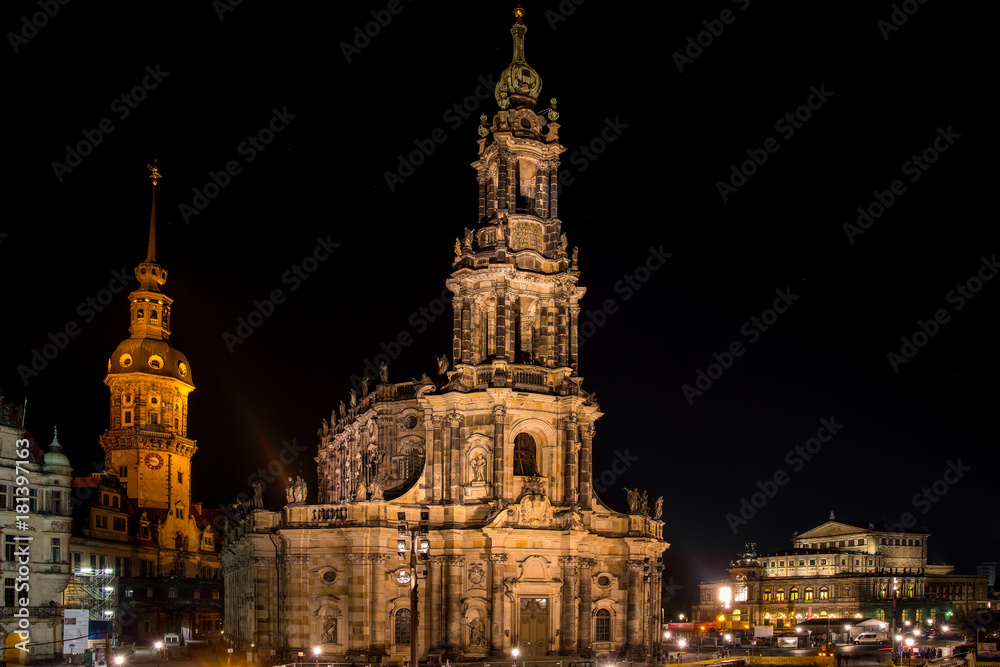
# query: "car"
{"type": "Point", "coordinates": [871, 638]}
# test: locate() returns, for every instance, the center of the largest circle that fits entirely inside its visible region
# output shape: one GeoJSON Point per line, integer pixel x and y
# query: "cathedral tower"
{"type": "Point", "coordinates": [146, 444]}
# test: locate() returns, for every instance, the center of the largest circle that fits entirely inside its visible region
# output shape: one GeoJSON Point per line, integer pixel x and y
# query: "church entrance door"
{"type": "Point", "coordinates": [534, 626]}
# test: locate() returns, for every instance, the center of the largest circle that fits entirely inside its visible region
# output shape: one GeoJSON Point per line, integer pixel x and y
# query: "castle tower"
{"type": "Point", "coordinates": [146, 444]}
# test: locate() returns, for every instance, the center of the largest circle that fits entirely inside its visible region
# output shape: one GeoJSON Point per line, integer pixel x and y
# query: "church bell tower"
{"type": "Point", "coordinates": [146, 444]}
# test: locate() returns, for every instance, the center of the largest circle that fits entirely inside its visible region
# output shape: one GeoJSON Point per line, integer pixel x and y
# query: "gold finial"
{"type": "Point", "coordinates": [154, 173]}
{"type": "Point", "coordinates": [519, 12]}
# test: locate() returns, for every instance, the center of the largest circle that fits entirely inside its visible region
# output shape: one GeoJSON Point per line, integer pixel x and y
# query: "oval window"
{"type": "Point", "coordinates": [125, 360]}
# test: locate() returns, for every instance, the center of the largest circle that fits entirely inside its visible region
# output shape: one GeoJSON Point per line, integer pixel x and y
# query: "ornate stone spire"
{"type": "Point", "coordinates": [519, 84]}
{"type": "Point", "coordinates": [150, 307]}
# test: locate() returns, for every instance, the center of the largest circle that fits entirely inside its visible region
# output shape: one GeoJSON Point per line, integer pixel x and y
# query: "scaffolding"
{"type": "Point", "coordinates": [95, 591]}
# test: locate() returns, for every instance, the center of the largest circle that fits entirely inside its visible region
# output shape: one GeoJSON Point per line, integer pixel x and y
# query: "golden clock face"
{"type": "Point", "coordinates": [153, 461]}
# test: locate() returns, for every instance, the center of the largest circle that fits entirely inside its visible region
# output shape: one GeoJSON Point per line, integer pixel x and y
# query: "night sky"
{"type": "Point", "coordinates": [741, 153]}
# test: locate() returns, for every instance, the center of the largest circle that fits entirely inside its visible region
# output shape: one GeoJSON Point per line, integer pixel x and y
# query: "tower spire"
{"type": "Point", "coordinates": [155, 176]}
{"type": "Point", "coordinates": [519, 85]}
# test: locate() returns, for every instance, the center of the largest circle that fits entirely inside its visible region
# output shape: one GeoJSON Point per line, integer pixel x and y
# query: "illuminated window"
{"type": "Point", "coordinates": [767, 595]}
{"type": "Point", "coordinates": [779, 596]}
{"type": "Point", "coordinates": [824, 593]}
{"type": "Point", "coordinates": [736, 615]}
{"type": "Point", "coordinates": [793, 595]}
{"type": "Point", "coordinates": [602, 626]}
{"type": "Point", "coordinates": [524, 455]}
{"type": "Point", "coordinates": [402, 630]}
{"type": "Point", "coordinates": [809, 594]}
{"type": "Point", "coordinates": [883, 590]}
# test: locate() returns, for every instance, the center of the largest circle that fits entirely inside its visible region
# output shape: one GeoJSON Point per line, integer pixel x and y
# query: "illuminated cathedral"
{"type": "Point", "coordinates": [487, 465]}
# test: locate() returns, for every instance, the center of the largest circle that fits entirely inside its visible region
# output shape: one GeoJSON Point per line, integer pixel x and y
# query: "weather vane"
{"type": "Point", "coordinates": [154, 173]}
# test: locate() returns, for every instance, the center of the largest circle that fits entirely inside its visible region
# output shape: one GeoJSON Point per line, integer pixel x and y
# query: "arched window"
{"type": "Point", "coordinates": [402, 631]}
{"type": "Point", "coordinates": [602, 626]}
{"type": "Point", "coordinates": [152, 315]}
{"type": "Point", "coordinates": [809, 593]}
{"type": "Point", "coordinates": [794, 594]}
{"type": "Point", "coordinates": [824, 593]}
{"type": "Point", "coordinates": [736, 615]}
{"type": "Point", "coordinates": [524, 455]}
{"type": "Point", "coordinates": [780, 595]}
{"type": "Point", "coordinates": [767, 595]}
{"type": "Point", "coordinates": [139, 314]}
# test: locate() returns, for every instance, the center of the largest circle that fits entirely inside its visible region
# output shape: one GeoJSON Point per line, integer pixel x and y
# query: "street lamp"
{"type": "Point", "coordinates": [316, 651]}
{"type": "Point", "coordinates": [515, 652]}
{"type": "Point", "coordinates": [416, 542]}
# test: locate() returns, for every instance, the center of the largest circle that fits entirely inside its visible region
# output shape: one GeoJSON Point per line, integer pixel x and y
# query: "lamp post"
{"type": "Point", "coordinates": [416, 542]}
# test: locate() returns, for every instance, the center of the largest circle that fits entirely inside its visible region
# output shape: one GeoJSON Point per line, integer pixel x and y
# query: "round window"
{"type": "Point", "coordinates": [329, 577]}
{"type": "Point", "coordinates": [604, 580]}
{"type": "Point", "coordinates": [410, 422]}
{"type": "Point", "coordinates": [125, 360]}
{"type": "Point", "coordinates": [182, 368]}
{"type": "Point", "coordinates": [156, 361]}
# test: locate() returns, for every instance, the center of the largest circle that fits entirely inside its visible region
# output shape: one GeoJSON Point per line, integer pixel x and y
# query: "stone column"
{"type": "Point", "coordinates": [380, 612]}
{"type": "Point", "coordinates": [554, 192]}
{"type": "Point", "coordinates": [633, 629]}
{"type": "Point", "coordinates": [437, 488]}
{"type": "Point", "coordinates": [482, 196]}
{"type": "Point", "coordinates": [572, 452]}
{"type": "Point", "coordinates": [586, 472]}
{"type": "Point", "coordinates": [456, 325]}
{"type": "Point", "coordinates": [455, 457]}
{"type": "Point", "coordinates": [586, 566]}
{"type": "Point", "coordinates": [454, 602]}
{"type": "Point", "coordinates": [567, 629]}
{"type": "Point", "coordinates": [501, 325]}
{"type": "Point", "coordinates": [574, 338]}
{"type": "Point", "coordinates": [466, 330]}
{"type": "Point", "coordinates": [435, 590]}
{"type": "Point", "coordinates": [542, 191]}
{"type": "Point", "coordinates": [499, 413]}
{"type": "Point", "coordinates": [562, 336]}
{"type": "Point", "coordinates": [357, 625]}
{"type": "Point", "coordinates": [497, 605]}
{"type": "Point", "coordinates": [502, 189]}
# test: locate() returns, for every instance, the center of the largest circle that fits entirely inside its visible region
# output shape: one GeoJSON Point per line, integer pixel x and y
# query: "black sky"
{"type": "Point", "coordinates": [675, 135]}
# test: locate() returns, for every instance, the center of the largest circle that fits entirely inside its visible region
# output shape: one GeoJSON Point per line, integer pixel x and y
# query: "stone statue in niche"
{"type": "Point", "coordinates": [329, 630]}
{"type": "Point", "coordinates": [477, 632]}
{"type": "Point", "coordinates": [478, 464]}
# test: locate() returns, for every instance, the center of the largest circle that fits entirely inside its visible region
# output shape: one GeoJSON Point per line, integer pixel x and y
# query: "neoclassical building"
{"type": "Point", "coordinates": [841, 571]}
{"type": "Point", "coordinates": [489, 461]}
{"type": "Point", "coordinates": [35, 525]}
